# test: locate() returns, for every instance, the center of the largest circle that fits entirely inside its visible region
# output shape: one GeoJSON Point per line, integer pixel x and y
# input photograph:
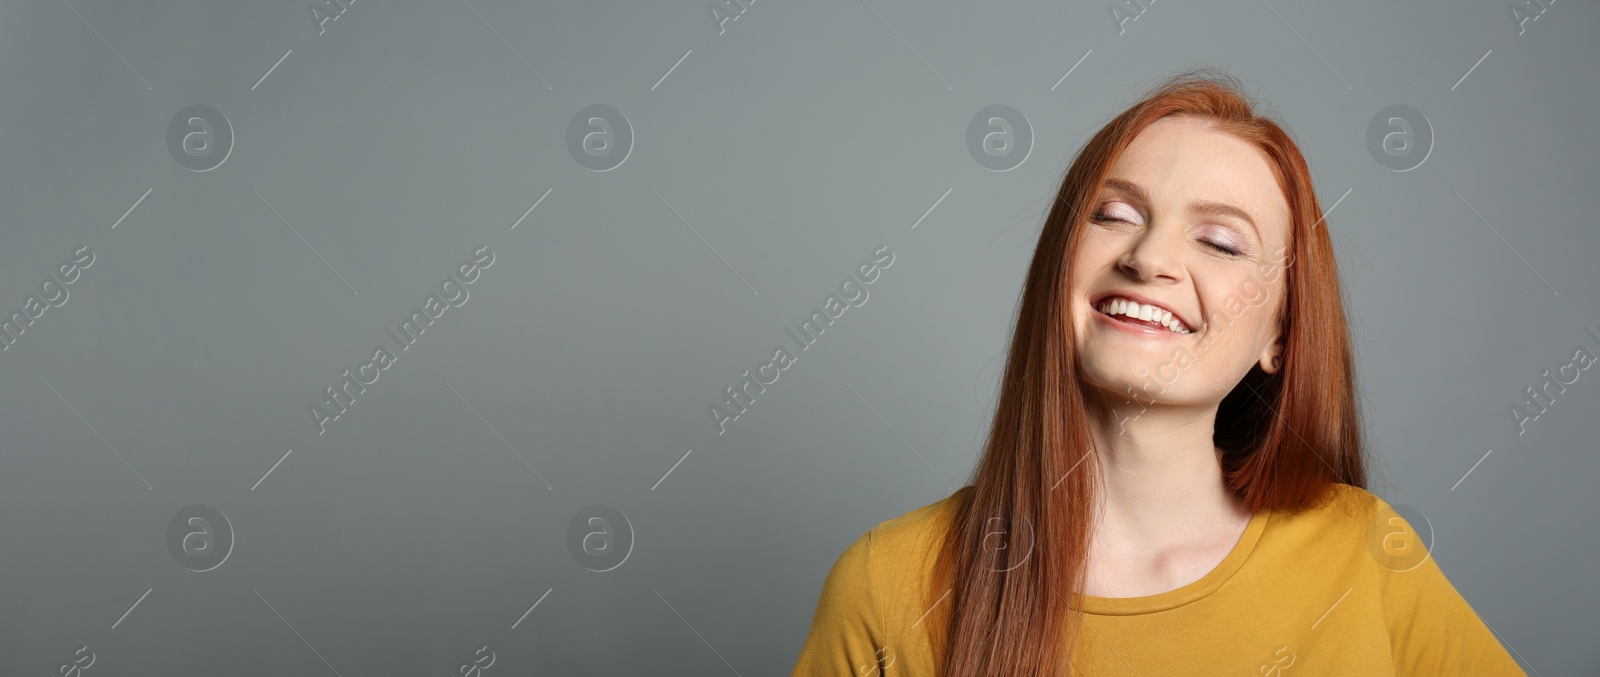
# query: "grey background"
{"type": "Point", "coordinates": [793, 144]}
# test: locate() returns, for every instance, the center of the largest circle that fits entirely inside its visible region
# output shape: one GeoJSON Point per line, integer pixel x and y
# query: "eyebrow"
{"type": "Point", "coordinates": [1208, 207]}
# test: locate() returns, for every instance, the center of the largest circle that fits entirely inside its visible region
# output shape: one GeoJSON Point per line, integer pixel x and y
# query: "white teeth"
{"type": "Point", "coordinates": [1145, 312]}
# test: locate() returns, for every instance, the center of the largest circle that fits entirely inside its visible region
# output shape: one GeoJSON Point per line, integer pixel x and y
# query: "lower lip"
{"type": "Point", "coordinates": [1133, 328]}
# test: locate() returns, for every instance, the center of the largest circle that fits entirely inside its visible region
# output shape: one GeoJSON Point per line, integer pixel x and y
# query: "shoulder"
{"type": "Point", "coordinates": [1355, 531]}
{"type": "Point", "coordinates": [1341, 509]}
{"type": "Point", "coordinates": [880, 575]}
{"type": "Point", "coordinates": [891, 562]}
{"type": "Point", "coordinates": [1350, 501]}
{"type": "Point", "coordinates": [903, 548]}
{"type": "Point", "coordinates": [917, 527]}
{"type": "Point", "coordinates": [895, 545]}
{"type": "Point", "coordinates": [1336, 531]}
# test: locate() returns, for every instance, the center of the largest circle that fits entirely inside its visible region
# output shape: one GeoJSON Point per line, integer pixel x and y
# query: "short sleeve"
{"type": "Point", "coordinates": [846, 629]}
{"type": "Point", "coordinates": [1432, 629]}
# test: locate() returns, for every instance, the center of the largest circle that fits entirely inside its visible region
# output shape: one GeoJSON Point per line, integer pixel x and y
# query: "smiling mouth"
{"type": "Point", "coordinates": [1141, 315]}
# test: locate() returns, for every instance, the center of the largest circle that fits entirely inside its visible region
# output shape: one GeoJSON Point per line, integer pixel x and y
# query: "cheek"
{"type": "Point", "coordinates": [1239, 324]}
{"type": "Point", "coordinates": [1237, 343]}
{"type": "Point", "coordinates": [1253, 293]}
{"type": "Point", "coordinates": [1079, 279]}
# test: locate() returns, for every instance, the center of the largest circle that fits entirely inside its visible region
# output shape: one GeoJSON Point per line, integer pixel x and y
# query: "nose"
{"type": "Point", "coordinates": [1152, 257]}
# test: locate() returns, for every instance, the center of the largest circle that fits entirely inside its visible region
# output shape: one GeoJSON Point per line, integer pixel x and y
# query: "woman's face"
{"type": "Point", "coordinates": [1192, 227]}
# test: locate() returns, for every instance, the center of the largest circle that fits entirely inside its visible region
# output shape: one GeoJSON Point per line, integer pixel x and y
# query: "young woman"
{"type": "Point", "coordinates": [1174, 482]}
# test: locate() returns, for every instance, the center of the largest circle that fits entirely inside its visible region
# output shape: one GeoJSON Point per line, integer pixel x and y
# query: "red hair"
{"type": "Point", "coordinates": [1286, 437]}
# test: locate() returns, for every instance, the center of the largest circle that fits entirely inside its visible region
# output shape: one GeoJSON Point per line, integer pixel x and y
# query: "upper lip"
{"type": "Point", "coordinates": [1141, 300]}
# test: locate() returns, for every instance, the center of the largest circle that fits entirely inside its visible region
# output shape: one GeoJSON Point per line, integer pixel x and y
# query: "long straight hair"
{"type": "Point", "coordinates": [1013, 562]}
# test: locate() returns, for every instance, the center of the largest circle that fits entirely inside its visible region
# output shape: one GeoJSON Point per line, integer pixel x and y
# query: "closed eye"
{"type": "Point", "coordinates": [1102, 217]}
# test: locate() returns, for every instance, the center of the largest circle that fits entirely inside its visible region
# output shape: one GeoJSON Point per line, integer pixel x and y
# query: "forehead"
{"type": "Point", "coordinates": [1180, 160]}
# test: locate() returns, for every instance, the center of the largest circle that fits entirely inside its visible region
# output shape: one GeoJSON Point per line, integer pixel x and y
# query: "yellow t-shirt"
{"type": "Point", "coordinates": [1300, 594]}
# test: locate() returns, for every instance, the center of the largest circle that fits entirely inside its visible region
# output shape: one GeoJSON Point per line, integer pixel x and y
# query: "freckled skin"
{"type": "Point", "coordinates": [1179, 160]}
{"type": "Point", "coordinates": [1166, 519]}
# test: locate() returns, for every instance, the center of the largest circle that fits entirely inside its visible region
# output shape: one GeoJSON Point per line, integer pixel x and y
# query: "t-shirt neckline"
{"type": "Point", "coordinates": [1207, 584]}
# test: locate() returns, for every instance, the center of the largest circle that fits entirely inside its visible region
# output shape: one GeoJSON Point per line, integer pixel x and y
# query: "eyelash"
{"type": "Point", "coordinates": [1101, 216]}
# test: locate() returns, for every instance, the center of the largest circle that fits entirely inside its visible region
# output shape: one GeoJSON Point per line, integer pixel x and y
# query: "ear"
{"type": "Point", "coordinates": [1272, 356]}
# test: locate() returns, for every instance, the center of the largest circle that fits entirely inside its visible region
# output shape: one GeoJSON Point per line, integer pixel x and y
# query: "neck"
{"type": "Point", "coordinates": [1160, 474]}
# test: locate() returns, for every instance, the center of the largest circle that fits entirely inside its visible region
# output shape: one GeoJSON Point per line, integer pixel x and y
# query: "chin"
{"type": "Point", "coordinates": [1118, 382]}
